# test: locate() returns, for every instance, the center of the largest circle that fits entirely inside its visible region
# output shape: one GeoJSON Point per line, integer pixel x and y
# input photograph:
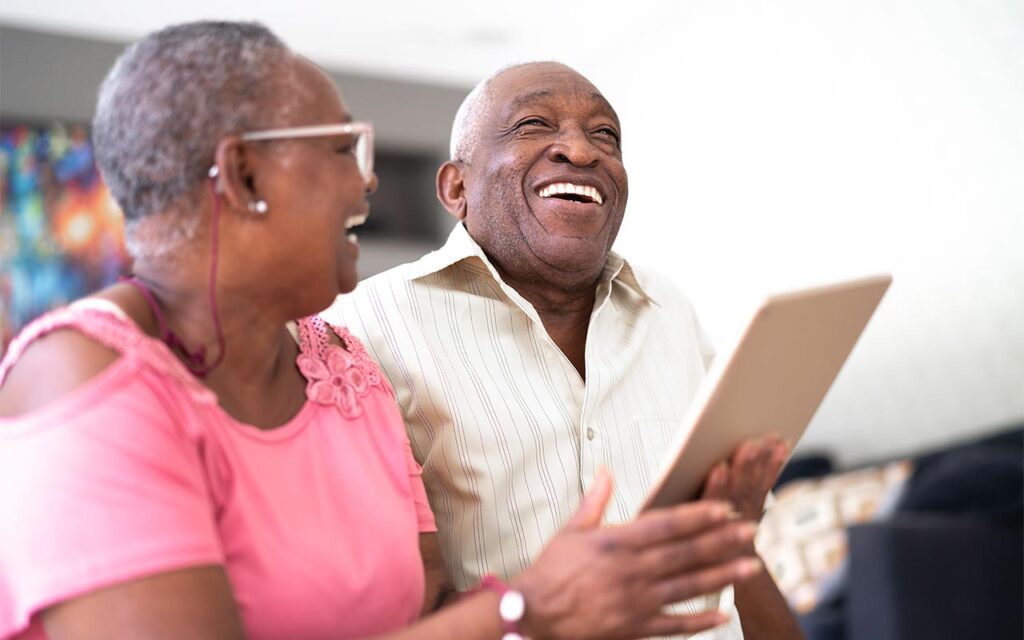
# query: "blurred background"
{"type": "Point", "coordinates": [769, 145]}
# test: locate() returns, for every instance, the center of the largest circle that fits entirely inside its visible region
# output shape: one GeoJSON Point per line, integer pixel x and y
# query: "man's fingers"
{"type": "Point", "coordinates": [594, 503]}
{"type": "Point", "coordinates": [776, 452]}
{"type": "Point", "coordinates": [756, 462]}
{"type": "Point", "coordinates": [779, 455]}
{"type": "Point", "coordinates": [705, 581]}
{"type": "Point", "coordinates": [671, 523]}
{"type": "Point", "coordinates": [708, 549]}
{"type": "Point", "coordinates": [761, 465]}
{"type": "Point", "coordinates": [716, 485]}
{"type": "Point", "coordinates": [669, 625]}
{"type": "Point", "coordinates": [745, 453]}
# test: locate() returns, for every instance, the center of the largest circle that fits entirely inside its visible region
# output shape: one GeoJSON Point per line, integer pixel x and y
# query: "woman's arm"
{"type": "Point", "coordinates": [438, 585]}
{"type": "Point", "coordinates": [123, 542]}
{"type": "Point", "coordinates": [190, 603]}
{"type": "Point", "coordinates": [590, 582]}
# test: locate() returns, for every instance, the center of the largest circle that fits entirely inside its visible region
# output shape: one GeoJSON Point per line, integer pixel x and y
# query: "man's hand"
{"type": "Point", "coordinates": [746, 478]}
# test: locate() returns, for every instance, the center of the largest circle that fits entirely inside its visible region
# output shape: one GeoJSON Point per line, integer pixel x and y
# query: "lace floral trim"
{"type": "Point", "coordinates": [335, 376]}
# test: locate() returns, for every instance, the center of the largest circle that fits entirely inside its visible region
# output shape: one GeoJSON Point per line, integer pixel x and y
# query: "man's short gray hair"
{"type": "Point", "coordinates": [466, 126]}
{"type": "Point", "coordinates": [169, 99]}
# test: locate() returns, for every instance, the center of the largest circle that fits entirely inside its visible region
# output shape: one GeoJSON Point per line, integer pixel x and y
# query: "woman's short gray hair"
{"type": "Point", "coordinates": [169, 99]}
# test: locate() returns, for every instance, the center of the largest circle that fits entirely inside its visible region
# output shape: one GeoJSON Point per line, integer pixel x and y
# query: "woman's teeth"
{"type": "Point", "coordinates": [354, 221]}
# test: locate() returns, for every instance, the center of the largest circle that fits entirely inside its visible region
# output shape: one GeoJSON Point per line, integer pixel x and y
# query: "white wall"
{"type": "Point", "coordinates": [771, 145]}
{"type": "Point", "coordinates": [777, 144]}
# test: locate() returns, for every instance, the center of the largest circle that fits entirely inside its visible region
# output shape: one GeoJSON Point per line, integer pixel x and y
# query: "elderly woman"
{"type": "Point", "coordinates": [182, 458]}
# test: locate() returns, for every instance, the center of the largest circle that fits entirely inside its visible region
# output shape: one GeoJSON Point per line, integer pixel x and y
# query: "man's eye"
{"type": "Point", "coordinates": [609, 132]}
{"type": "Point", "coordinates": [536, 122]}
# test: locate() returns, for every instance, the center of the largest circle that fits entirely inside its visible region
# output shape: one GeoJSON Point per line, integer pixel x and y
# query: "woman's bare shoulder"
{"type": "Point", "coordinates": [51, 367]}
{"type": "Point", "coordinates": [57, 363]}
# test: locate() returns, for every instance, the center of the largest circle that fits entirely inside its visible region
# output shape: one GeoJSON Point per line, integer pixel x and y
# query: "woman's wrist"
{"type": "Point", "coordinates": [533, 623]}
{"type": "Point", "coordinates": [511, 606]}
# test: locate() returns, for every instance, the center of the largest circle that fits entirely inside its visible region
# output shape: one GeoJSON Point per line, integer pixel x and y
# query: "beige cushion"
{"type": "Point", "coordinates": [802, 538]}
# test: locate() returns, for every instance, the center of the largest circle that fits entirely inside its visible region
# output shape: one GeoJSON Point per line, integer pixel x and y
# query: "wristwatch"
{"type": "Point", "coordinates": [511, 606]}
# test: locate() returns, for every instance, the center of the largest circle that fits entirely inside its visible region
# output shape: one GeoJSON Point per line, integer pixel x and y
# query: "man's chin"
{"type": "Point", "coordinates": [584, 256]}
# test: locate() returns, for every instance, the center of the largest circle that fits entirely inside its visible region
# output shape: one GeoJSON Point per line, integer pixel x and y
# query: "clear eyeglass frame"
{"type": "Point", "coordinates": [363, 132]}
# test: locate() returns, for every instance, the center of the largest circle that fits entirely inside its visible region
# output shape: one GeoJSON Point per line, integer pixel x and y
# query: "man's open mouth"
{"type": "Point", "coordinates": [572, 192]}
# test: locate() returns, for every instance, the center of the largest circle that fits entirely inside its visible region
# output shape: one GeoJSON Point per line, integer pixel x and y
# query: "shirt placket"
{"type": "Point", "coordinates": [593, 441]}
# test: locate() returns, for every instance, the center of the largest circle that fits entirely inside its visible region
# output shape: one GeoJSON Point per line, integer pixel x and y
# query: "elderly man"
{"type": "Point", "coordinates": [525, 354]}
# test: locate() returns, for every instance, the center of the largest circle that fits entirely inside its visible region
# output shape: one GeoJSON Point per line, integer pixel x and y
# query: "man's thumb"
{"type": "Point", "coordinates": [594, 503]}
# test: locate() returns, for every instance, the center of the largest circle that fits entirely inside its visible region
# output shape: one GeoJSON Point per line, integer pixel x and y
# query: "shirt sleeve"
{"type": "Point", "coordinates": [424, 515]}
{"type": "Point", "coordinates": [99, 487]}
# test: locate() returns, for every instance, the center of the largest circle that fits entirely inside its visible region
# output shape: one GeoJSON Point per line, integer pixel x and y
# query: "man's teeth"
{"type": "Point", "coordinates": [565, 187]}
{"type": "Point", "coordinates": [354, 221]}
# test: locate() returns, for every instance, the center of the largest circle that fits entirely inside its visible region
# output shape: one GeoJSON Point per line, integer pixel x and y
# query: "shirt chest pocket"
{"type": "Point", "coordinates": [656, 440]}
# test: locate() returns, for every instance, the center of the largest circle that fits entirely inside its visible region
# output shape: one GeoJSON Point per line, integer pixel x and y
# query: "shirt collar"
{"type": "Point", "coordinates": [462, 248]}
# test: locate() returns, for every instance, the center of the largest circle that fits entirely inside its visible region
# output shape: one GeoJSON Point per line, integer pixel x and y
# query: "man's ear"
{"type": "Point", "coordinates": [451, 190]}
{"type": "Point", "coordinates": [235, 180]}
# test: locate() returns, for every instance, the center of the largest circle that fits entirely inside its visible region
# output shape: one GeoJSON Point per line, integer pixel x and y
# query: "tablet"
{"type": "Point", "coordinates": [771, 382]}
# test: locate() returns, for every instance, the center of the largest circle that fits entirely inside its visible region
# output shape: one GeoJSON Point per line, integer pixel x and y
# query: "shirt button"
{"type": "Point", "coordinates": [590, 433]}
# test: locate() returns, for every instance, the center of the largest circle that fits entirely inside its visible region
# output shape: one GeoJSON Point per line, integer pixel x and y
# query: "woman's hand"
{"type": "Point", "coordinates": [612, 582]}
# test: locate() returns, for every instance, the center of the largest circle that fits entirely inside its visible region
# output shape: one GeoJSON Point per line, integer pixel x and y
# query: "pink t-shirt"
{"type": "Point", "coordinates": [140, 471]}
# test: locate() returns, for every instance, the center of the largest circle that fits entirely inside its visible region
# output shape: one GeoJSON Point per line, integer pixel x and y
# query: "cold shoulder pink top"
{"type": "Point", "coordinates": [140, 471]}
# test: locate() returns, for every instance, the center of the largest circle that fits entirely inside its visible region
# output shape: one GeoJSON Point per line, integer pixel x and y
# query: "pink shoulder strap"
{"type": "Point", "coordinates": [314, 341]}
{"type": "Point", "coordinates": [313, 336]}
{"type": "Point", "coordinates": [105, 323]}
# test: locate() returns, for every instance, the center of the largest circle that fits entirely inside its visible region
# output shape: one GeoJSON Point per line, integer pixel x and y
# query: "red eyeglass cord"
{"type": "Point", "coordinates": [195, 361]}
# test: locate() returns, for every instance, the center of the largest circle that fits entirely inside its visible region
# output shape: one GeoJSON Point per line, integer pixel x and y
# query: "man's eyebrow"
{"type": "Point", "coordinates": [527, 98]}
{"type": "Point", "coordinates": [600, 98]}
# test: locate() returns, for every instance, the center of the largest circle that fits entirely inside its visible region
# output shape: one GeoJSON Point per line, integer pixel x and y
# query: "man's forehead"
{"type": "Point", "coordinates": [536, 85]}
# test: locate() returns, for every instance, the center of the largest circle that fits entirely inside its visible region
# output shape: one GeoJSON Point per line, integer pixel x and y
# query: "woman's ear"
{"type": "Point", "coordinates": [451, 190]}
{"type": "Point", "coordinates": [234, 179]}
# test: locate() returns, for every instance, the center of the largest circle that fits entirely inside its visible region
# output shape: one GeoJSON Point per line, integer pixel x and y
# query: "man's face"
{"type": "Point", "coordinates": [545, 186]}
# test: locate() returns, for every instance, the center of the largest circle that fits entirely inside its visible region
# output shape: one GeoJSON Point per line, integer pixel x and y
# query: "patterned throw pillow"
{"type": "Point", "coordinates": [802, 538]}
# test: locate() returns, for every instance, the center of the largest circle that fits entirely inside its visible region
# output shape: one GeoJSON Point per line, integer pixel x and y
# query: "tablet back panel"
{"type": "Point", "coordinates": [772, 382]}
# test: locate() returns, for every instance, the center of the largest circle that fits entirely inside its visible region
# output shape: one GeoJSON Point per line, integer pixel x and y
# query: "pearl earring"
{"type": "Point", "coordinates": [260, 206]}
{"type": "Point", "coordinates": [213, 173]}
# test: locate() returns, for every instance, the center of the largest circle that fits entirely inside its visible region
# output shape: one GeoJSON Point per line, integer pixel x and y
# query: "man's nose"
{"type": "Point", "coordinates": [372, 185]}
{"type": "Point", "coordinates": [575, 147]}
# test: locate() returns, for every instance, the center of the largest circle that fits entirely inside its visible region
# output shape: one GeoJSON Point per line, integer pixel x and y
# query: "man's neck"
{"type": "Point", "coordinates": [564, 309]}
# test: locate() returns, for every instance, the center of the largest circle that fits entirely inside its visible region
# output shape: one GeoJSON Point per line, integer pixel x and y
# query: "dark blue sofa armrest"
{"type": "Point", "coordinates": [932, 576]}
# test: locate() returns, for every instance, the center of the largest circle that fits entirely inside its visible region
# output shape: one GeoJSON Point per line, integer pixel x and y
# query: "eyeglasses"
{"type": "Point", "coordinates": [362, 146]}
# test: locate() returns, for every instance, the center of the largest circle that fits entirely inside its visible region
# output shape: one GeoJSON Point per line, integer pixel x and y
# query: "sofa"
{"type": "Point", "coordinates": [945, 561]}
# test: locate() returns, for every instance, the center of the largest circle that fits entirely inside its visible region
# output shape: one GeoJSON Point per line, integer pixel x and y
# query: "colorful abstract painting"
{"type": "Point", "coordinates": [60, 230]}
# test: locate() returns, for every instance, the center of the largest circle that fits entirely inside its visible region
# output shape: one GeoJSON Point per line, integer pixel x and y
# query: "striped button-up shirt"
{"type": "Point", "coordinates": [508, 433]}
